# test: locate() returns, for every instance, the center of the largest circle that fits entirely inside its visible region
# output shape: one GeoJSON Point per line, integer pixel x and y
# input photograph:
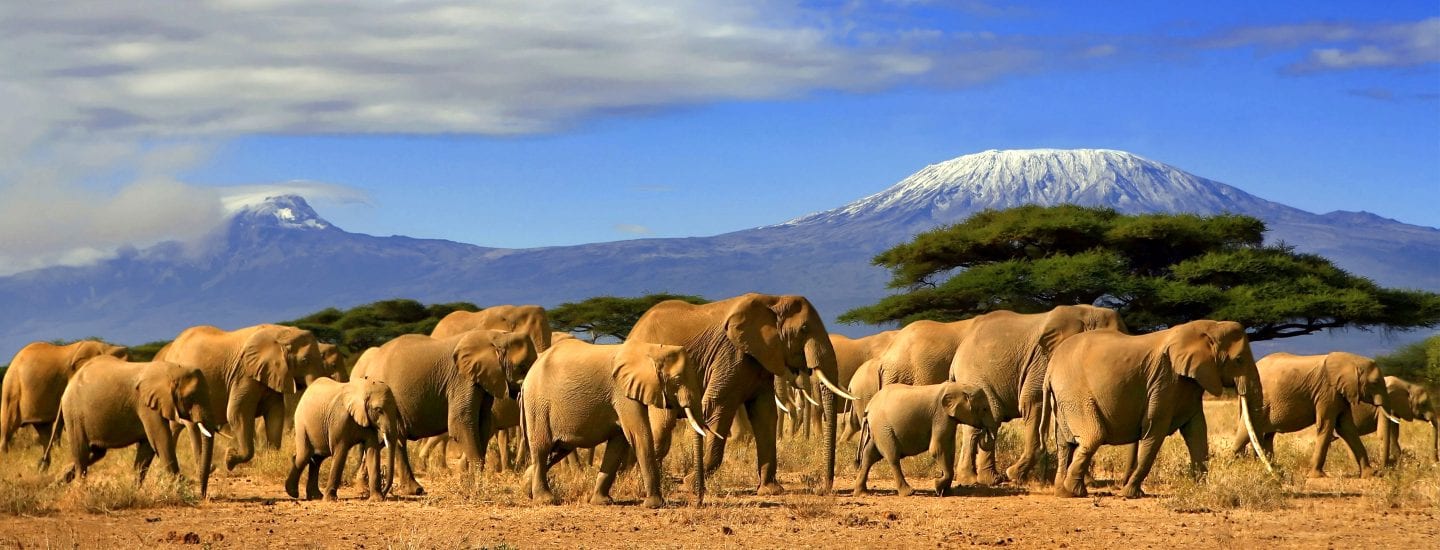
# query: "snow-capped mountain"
{"type": "Point", "coordinates": [950, 190]}
{"type": "Point", "coordinates": [277, 258]}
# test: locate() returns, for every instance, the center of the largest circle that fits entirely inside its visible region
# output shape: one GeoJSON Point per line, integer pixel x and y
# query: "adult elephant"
{"type": "Point", "coordinates": [250, 370]}
{"type": "Point", "coordinates": [528, 320]}
{"type": "Point", "coordinates": [332, 366]}
{"type": "Point", "coordinates": [850, 353]}
{"type": "Point", "coordinates": [1110, 388]}
{"type": "Point", "coordinates": [740, 346]}
{"type": "Point", "coordinates": [1405, 402]}
{"type": "Point", "coordinates": [30, 394]}
{"type": "Point", "coordinates": [1006, 355]}
{"type": "Point", "coordinates": [1316, 390]}
{"type": "Point", "coordinates": [447, 386]}
{"type": "Point", "coordinates": [920, 354]}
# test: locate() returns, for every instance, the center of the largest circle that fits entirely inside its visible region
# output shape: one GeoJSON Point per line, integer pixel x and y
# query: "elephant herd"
{"type": "Point", "coordinates": [1073, 375]}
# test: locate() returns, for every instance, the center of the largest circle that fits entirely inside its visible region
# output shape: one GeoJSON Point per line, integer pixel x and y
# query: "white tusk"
{"type": "Point", "coordinates": [782, 406]}
{"type": "Point", "coordinates": [715, 433]}
{"type": "Point", "coordinates": [807, 397]}
{"type": "Point", "coordinates": [832, 386]}
{"type": "Point", "coordinates": [384, 441]}
{"type": "Point", "coordinates": [204, 431]}
{"type": "Point", "coordinates": [1254, 440]}
{"type": "Point", "coordinates": [693, 424]}
{"type": "Point", "coordinates": [1390, 416]}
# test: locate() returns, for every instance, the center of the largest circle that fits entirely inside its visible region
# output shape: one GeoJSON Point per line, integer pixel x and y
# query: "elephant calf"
{"type": "Point", "coordinates": [903, 420]}
{"type": "Point", "coordinates": [332, 417]}
{"type": "Point", "coordinates": [579, 395]}
{"type": "Point", "coordinates": [111, 403]}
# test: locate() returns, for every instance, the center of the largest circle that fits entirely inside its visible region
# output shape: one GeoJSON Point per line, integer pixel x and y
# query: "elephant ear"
{"type": "Point", "coordinates": [478, 360]}
{"type": "Point", "coordinates": [755, 330]}
{"type": "Point", "coordinates": [1061, 323]}
{"type": "Point", "coordinates": [355, 403]}
{"type": "Point", "coordinates": [263, 359]}
{"type": "Point", "coordinates": [1345, 372]}
{"type": "Point", "coordinates": [956, 402]}
{"type": "Point", "coordinates": [158, 391]}
{"type": "Point", "coordinates": [637, 373]}
{"type": "Point", "coordinates": [1194, 354]}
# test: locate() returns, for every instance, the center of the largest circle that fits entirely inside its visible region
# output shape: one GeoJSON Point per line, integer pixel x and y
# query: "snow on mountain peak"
{"type": "Point", "coordinates": [284, 211]}
{"type": "Point", "coordinates": [949, 190]}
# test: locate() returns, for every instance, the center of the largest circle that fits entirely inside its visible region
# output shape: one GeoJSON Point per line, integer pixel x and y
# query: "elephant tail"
{"type": "Point", "coordinates": [1047, 414]}
{"type": "Point", "coordinates": [522, 447]}
{"type": "Point", "coordinates": [864, 439]}
{"type": "Point", "coordinates": [55, 432]}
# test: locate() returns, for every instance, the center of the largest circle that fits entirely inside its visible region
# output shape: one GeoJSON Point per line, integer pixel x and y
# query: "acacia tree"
{"type": "Point", "coordinates": [1158, 270]}
{"type": "Point", "coordinates": [608, 316]}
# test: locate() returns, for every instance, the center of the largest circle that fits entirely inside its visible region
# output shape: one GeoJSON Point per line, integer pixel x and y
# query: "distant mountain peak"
{"type": "Point", "coordinates": [282, 211]}
{"type": "Point", "coordinates": [948, 191]}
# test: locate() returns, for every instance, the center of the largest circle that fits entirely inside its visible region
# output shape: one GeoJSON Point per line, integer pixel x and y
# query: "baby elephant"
{"type": "Point", "coordinates": [333, 416]}
{"type": "Point", "coordinates": [111, 403]}
{"type": "Point", "coordinates": [903, 420]}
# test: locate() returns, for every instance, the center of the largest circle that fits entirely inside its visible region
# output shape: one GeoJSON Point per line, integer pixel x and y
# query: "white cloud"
{"type": "Point", "coordinates": [632, 229]}
{"type": "Point", "coordinates": [1338, 46]}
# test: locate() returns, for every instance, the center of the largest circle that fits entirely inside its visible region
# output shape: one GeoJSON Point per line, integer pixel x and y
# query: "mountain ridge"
{"type": "Point", "coordinates": [277, 258]}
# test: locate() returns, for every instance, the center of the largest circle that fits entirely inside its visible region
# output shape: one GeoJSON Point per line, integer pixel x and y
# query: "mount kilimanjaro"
{"type": "Point", "coordinates": [278, 259]}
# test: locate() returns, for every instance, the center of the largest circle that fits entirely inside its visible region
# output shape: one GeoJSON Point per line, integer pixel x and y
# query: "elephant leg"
{"type": "Point", "coordinates": [9, 419]}
{"type": "Point", "coordinates": [1128, 453]}
{"type": "Point", "coordinates": [1073, 484]}
{"type": "Point", "coordinates": [615, 449]}
{"type": "Point", "coordinates": [1197, 443]}
{"type": "Point", "coordinates": [1351, 435]}
{"type": "Point", "coordinates": [312, 477]}
{"type": "Point", "coordinates": [470, 430]}
{"type": "Point", "coordinates": [405, 476]}
{"type": "Point", "coordinates": [868, 455]}
{"type": "Point", "coordinates": [1029, 442]}
{"type": "Point", "coordinates": [298, 463]}
{"type": "Point", "coordinates": [762, 414]}
{"type": "Point", "coordinates": [341, 450]}
{"type": "Point", "coordinates": [273, 410]}
{"type": "Point", "coordinates": [42, 431]}
{"type": "Point", "coordinates": [969, 444]}
{"type": "Point", "coordinates": [372, 465]}
{"type": "Point", "coordinates": [944, 445]}
{"type": "Point", "coordinates": [635, 426]}
{"type": "Point", "coordinates": [1323, 430]}
{"type": "Point", "coordinates": [1148, 449]}
{"type": "Point", "coordinates": [901, 486]}
{"type": "Point", "coordinates": [144, 455]}
{"type": "Point", "coordinates": [1063, 456]}
{"type": "Point", "coordinates": [162, 442]}
{"type": "Point", "coordinates": [502, 439]}
{"type": "Point", "coordinates": [539, 477]}
{"type": "Point", "coordinates": [985, 471]}
{"type": "Point", "coordinates": [1240, 442]}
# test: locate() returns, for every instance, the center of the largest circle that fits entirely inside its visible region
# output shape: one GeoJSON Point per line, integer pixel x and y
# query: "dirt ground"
{"type": "Point", "coordinates": [248, 509]}
{"type": "Point", "coordinates": [251, 517]}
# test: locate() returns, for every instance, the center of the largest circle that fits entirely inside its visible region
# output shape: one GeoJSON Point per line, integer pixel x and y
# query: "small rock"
{"type": "Point", "coordinates": [192, 538]}
{"type": "Point", "coordinates": [151, 520]}
{"type": "Point", "coordinates": [727, 530]}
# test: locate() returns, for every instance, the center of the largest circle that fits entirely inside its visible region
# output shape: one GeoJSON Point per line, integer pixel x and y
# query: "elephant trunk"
{"type": "Point", "coordinates": [699, 469]}
{"type": "Point", "coordinates": [1251, 405]}
{"type": "Point", "coordinates": [828, 398]}
{"type": "Point", "coordinates": [389, 469]}
{"type": "Point", "coordinates": [207, 453]}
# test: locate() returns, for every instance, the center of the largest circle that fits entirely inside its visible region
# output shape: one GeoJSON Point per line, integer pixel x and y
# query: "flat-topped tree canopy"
{"type": "Point", "coordinates": [1158, 270]}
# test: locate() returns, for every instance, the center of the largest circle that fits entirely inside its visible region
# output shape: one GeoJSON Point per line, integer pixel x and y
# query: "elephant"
{"type": "Point", "coordinates": [904, 420]}
{"type": "Point", "coordinates": [250, 370]}
{"type": "Point", "coordinates": [1316, 390]}
{"type": "Point", "coordinates": [920, 354]}
{"type": "Point", "coordinates": [1406, 401]}
{"type": "Point", "coordinates": [863, 385]}
{"type": "Point", "coordinates": [579, 395]}
{"type": "Point", "coordinates": [505, 415]}
{"type": "Point", "coordinates": [1105, 387]}
{"type": "Point", "coordinates": [740, 346]}
{"type": "Point", "coordinates": [1006, 355]}
{"type": "Point", "coordinates": [332, 363]}
{"type": "Point", "coordinates": [331, 418]}
{"type": "Point", "coordinates": [447, 386]}
{"type": "Point", "coordinates": [556, 336]}
{"type": "Point", "coordinates": [111, 403]}
{"type": "Point", "coordinates": [30, 393]}
{"type": "Point", "coordinates": [528, 320]}
{"type": "Point", "coordinates": [850, 353]}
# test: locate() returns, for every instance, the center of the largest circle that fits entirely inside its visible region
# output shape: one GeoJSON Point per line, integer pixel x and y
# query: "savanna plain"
{"type": "Point", "coordinates": [1237, 503]}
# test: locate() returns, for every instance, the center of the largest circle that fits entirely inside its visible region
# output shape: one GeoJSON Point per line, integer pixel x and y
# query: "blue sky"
{"type": "Point", "coordinates": [544, 123]}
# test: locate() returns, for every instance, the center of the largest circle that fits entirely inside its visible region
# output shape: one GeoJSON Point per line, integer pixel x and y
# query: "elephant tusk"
{"type": "Point", "coordinates": [693, 424]}
{"type": "Point", "coordinates": [807, 397]}
{"type": "Point", "coordinates": [384, 441]}
{"type": "Point", "coordinates": [204, 431]}
{"type": "Point", "coordinates": [833, 387]}
{"type": "Point", "coordinates": [1254, 439]}
{"type": "Point", "coordinates": [782, 406]}
{"type": "Point", "coordinates": [715, 433]}
{"type": "Point", "coordinates": [1390, 416]}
